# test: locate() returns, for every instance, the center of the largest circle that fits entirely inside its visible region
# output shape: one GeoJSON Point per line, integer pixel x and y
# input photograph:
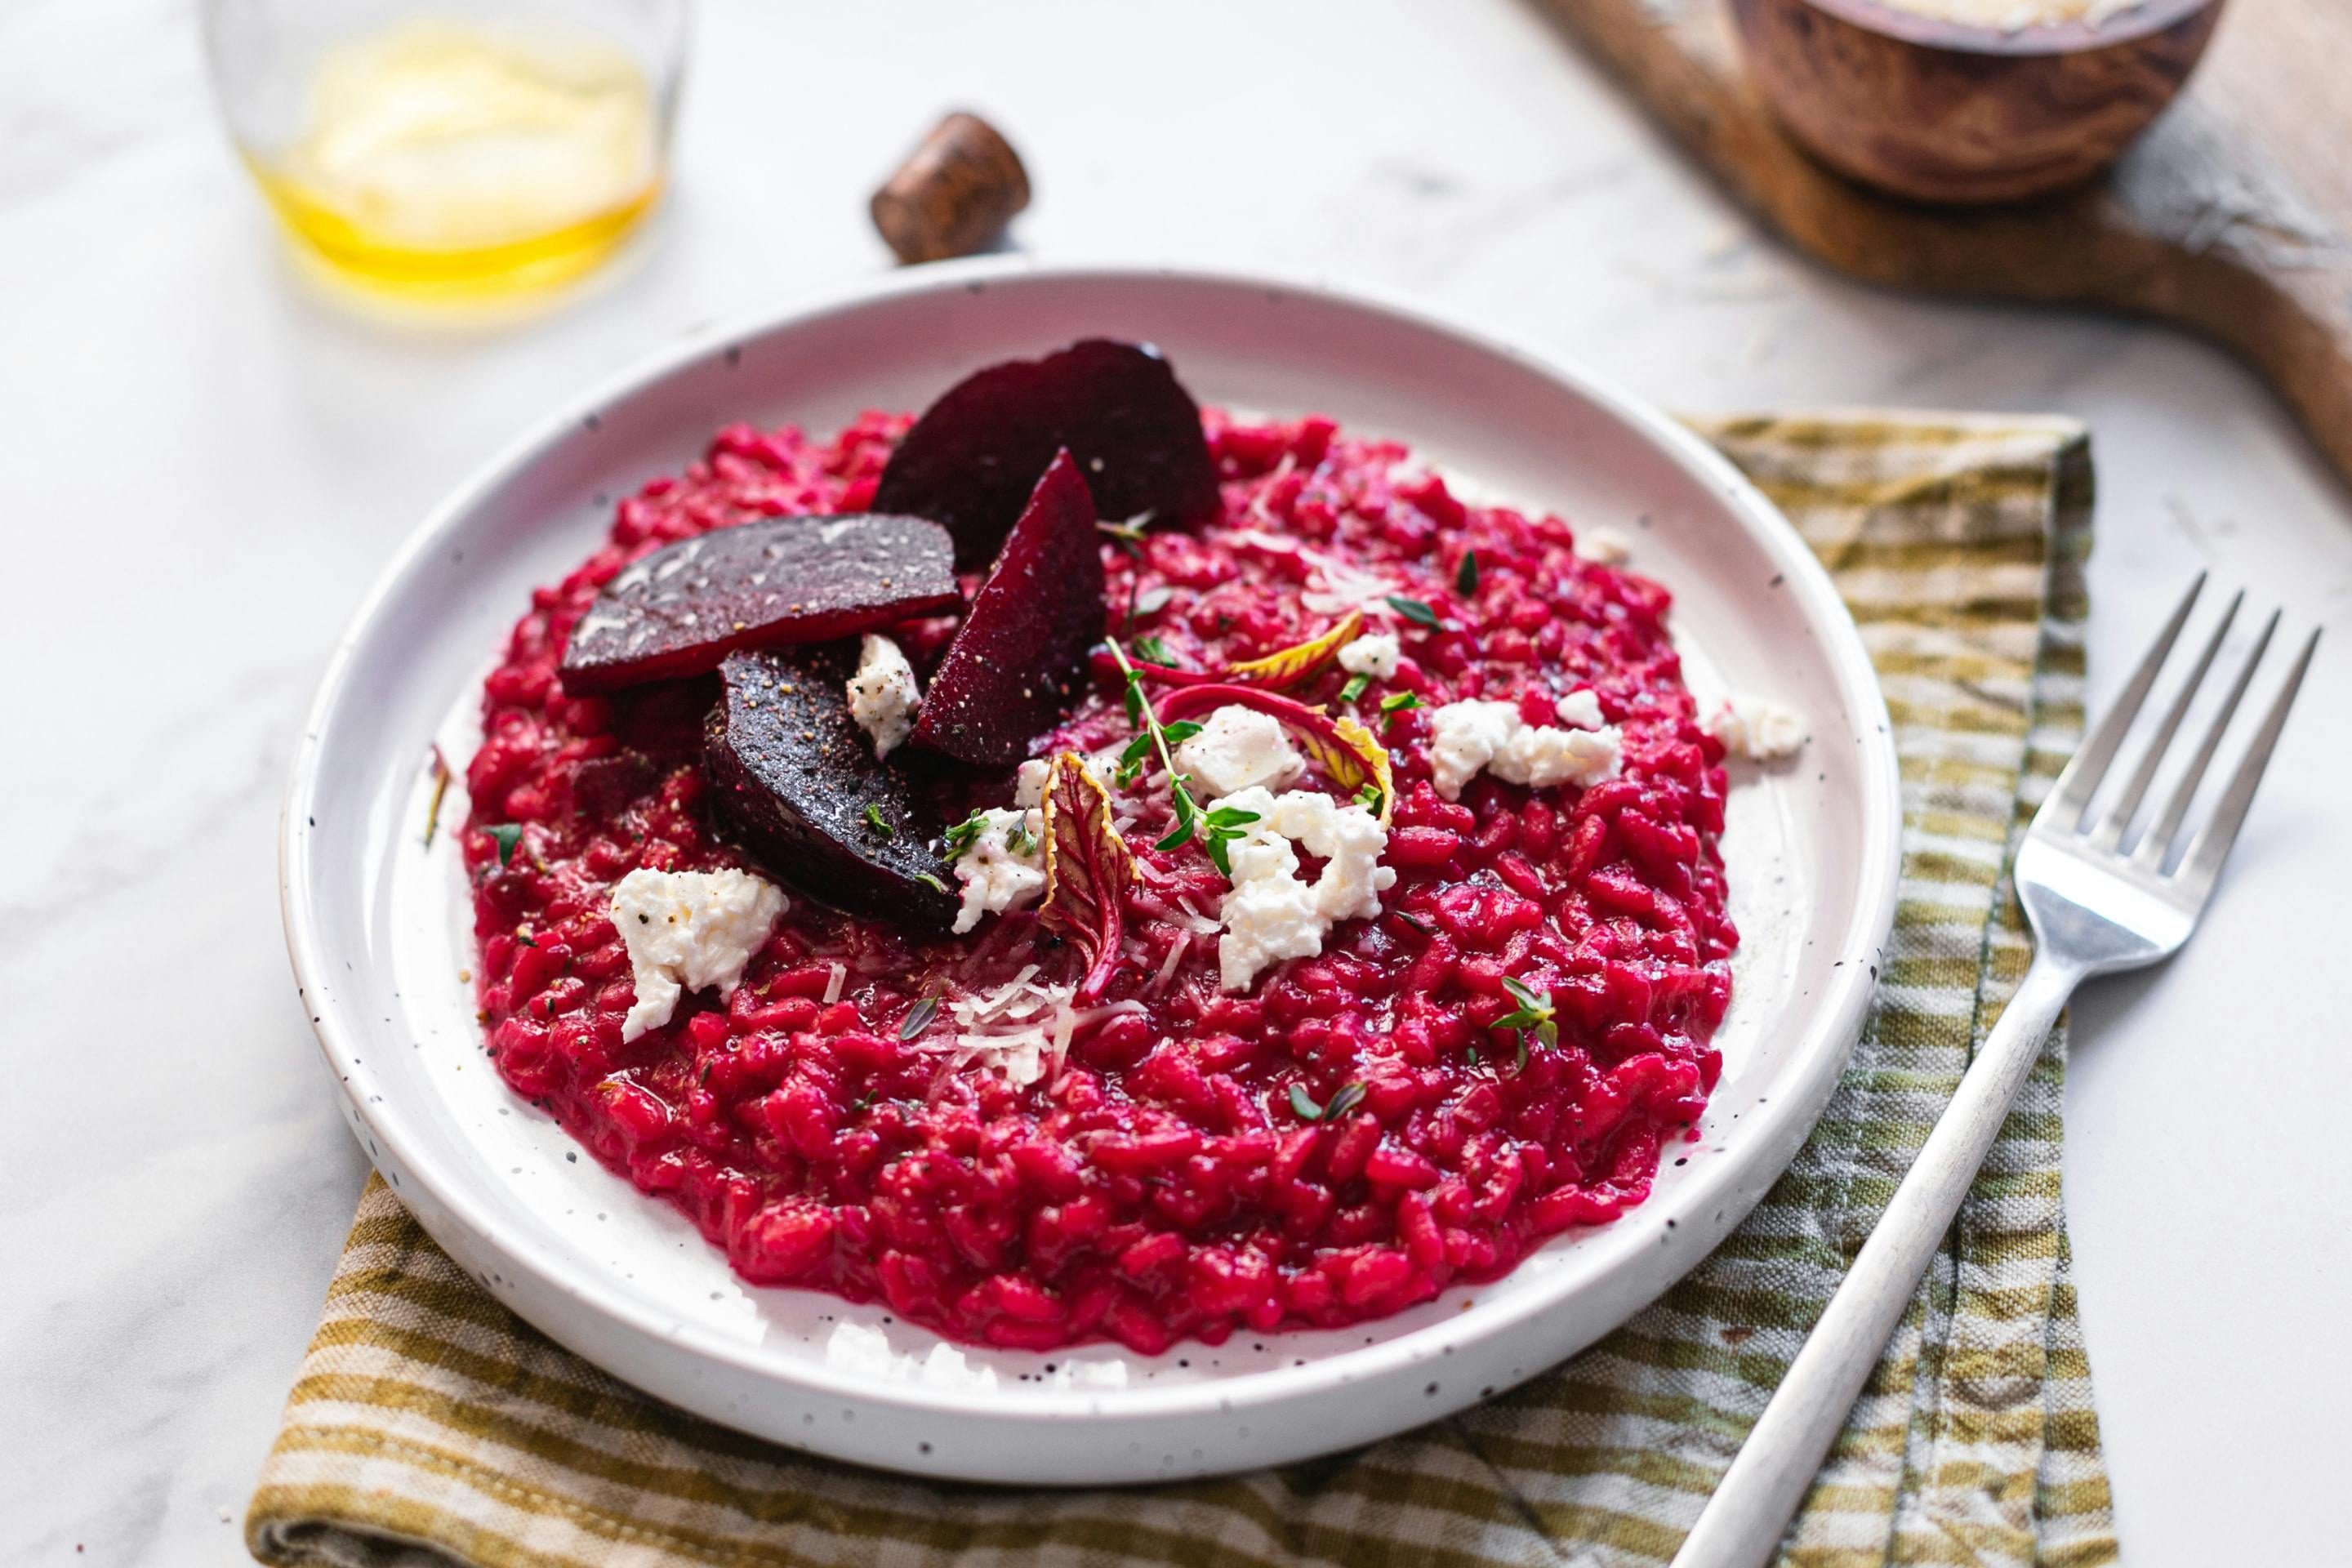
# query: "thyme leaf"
{"type": "Point", "coordinates": [1140, 712]}
{"type": "Point", "coordinates": [1415, 611]}
{"type": "Point", "coordinates": [1342, 1103]}
{"type": "Point", "coordinates": [919, 1018]}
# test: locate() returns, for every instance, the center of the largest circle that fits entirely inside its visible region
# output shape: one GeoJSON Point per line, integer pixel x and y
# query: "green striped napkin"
{"type": "Point", "coordinates": [429, 1425]}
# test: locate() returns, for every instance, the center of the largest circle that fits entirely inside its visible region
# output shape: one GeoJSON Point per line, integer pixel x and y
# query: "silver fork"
{"type": "Point", "coordinates": [2095, 909]}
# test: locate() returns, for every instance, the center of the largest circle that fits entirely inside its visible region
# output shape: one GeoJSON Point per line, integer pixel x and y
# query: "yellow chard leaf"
{"type": "Point", "coordinates": [1353, 756]}
{"type": "Point", "coordinates": [1290, 666]}
{"type": "Point", "coordinates": [1088, 867]}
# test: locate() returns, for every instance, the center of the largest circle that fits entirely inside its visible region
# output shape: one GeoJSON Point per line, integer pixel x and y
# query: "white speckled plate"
{"type": "Point", "coordinates": [376, 924]}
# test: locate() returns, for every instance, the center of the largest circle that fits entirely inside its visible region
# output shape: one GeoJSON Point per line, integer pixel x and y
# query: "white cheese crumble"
{"type": "Point", "coordinates": [1467, 736]}
{"type": "Point", "coordinates": [1269, 914]}
{"type": "Point", "coordinates": [997, 876]}
{"type": "Point", "coordinates": [1029, 779]}
{"type": "Point", "coordinates": [882, 694]}
{"type": "Point", "coordinates": [1579, 709]}
{"type": "Point", "coordinates": [1238, 749]}
{"type": "Point", "coordinates": [1605, 545]}
{"type": "Point", "coordinates": [687, 930]}
{"type": "Point", "coordinates": [1374, 655]}
{"type": "Point", "coordinates": [1756, 727]}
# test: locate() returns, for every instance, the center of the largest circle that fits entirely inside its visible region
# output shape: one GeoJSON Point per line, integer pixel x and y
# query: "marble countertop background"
{"type": "Point", "coordinates": [201, 467]}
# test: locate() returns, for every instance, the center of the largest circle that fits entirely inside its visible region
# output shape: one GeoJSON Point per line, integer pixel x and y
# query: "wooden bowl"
{"type": "Point", "coordinates": [1951, 111]}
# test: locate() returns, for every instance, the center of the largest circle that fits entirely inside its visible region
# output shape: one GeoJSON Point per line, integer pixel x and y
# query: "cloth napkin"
{"type": "Point", "coordinates": [430, 1427]}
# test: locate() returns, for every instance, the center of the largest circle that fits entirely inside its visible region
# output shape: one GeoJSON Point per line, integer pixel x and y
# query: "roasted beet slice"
{"type": "Point", "coordinates": [974, 456]}
{"type": "Point", "coordinates": [795, 779]}
{"type": "Point", "coordinates": [1007, 677]}
{"type": "Point", "coordinates": [685, 608]}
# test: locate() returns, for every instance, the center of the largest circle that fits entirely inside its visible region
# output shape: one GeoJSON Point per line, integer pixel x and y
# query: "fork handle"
{"type": "Point", "coordinates": [1743, 1522]}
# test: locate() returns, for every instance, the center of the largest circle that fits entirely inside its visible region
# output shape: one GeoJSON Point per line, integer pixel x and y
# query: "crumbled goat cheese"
{"type": "Point", "coordinates": [996, 877]}
{"type": "Point", "coordinates": [1467, 736]}
{"type": "Point", "coordinates": [882, 694]}
{"type": "Point", "coordinates": [1269, 914]}
{"type": "Point", "coordinates": [1756, 727]}
{"type": "Point", "coordinates": [1029, 779]}
{"type": "Point", "coordinates": [1579, 709]}
{"type": "Point", "coordinates": [1239, 748]}
{"type": "Point", "coordinates": [1374, 655]}
{"type": "Point", "coordinates": [687, 930]}
{"type": "Point", "coordinates": [1605, 545]}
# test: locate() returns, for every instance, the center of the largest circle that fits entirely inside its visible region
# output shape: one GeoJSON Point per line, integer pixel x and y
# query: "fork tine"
{"type": "Point", "coordinates": [2211, 847]}
{"type": "Point", "coordinates": [2070, 797]}
{"type": "Point", "coordinates": [2156, 842]}
{"type": "Point", "coordinates": [2117, 817]}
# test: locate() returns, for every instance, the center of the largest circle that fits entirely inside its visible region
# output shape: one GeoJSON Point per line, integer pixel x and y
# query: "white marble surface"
{"type": "Point", "coordinates": [201, 469]}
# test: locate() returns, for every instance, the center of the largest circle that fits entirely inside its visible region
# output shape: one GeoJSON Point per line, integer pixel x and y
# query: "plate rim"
{"type": "Point", "coordinates": [1732, 1182]}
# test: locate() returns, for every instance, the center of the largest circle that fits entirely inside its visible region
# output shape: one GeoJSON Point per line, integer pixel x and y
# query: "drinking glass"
{"type": "Point", "coordinates": [464, 149]}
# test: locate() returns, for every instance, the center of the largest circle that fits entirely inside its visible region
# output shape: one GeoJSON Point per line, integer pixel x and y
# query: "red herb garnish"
{"type": "Point", "coordinates": [1088, 867]}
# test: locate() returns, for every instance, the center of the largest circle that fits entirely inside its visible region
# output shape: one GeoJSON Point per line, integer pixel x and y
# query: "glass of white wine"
{"type": "Point", "coordinates": [459, 151]}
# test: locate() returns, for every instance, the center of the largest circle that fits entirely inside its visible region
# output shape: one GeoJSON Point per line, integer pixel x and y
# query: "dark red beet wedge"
{"type": "Point", "coordinates": [793, 779]}
{"type": "Point", "coordinates": [684, 609]}
{"type": "Point", "coordinates": [974, 456]}
{"type": "Point", "coordinates": [1008, 676]}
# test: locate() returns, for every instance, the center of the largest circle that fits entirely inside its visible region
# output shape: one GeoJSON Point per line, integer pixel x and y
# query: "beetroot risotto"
{"type": "Point", "coordinates": [1221, 879]}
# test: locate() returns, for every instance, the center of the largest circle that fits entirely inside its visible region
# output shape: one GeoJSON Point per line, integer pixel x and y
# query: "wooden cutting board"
{"type": "Point", "coordinates": [2231, 217]}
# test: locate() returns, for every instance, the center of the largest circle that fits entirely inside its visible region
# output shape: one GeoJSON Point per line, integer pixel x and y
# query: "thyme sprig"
{"type": "Point", "coordinates": [965, 834]}
{"type": "Point", "coordinates": [1221, 828]}
{"type": "Point", "coordinates": [1532, 1017]}
{"type": "Point", "coordinates": [1162, 739]}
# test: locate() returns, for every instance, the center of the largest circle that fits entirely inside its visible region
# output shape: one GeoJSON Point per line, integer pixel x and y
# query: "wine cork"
{"type": "Point", "coordinates": [955, 194]}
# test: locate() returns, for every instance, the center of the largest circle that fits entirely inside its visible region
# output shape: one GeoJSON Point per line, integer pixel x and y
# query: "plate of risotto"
{"type": "Point", "coordinates": [1079, 875]}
